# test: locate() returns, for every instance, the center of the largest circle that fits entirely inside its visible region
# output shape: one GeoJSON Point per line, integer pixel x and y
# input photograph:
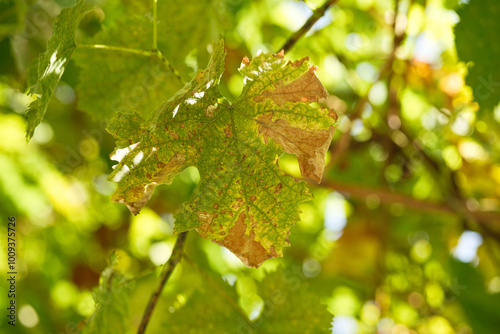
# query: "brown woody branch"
{"type": "Point", "coordinates": [316, 15]}
{"type": "Point", "coordinates": [167, 271]}
{"type": "Point", "coordinates": [387, 196]}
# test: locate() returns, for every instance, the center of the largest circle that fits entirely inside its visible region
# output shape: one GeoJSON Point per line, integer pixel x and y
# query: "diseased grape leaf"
{"type": "Point", "coordinates": [291, 306]}
{"type": "Point", "coordinates": [53, 62]}
{"type": "Point", "coordinates": [113, 81]}
{"type": "Point", "coordinates": [244, 201]}
{"type": "Point", "coordinates": [112, 299]}
{"type": "Point", "coordinates": [477, 41]}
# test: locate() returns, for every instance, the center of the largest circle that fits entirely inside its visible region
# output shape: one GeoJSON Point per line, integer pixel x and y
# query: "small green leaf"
{"type": "Point", "coordinates": [112, 299]}
{"type": "Point", "coordinates": [53, 62]}
{"type": "Point", "coordinates": [244, 201]}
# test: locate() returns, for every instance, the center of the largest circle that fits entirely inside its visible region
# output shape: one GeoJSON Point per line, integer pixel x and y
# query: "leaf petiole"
{"type": "Point", "coordinates": [118, 49]}
{"type": "Point", "coordinates": [155, 25]}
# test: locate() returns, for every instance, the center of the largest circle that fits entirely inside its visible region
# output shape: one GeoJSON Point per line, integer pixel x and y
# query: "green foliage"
{"type": "Point", "coordinates": [480, 18]}
{"type": "Point", "coordinates": [290, 305]}
{"type": "Point", "coordinates": [244, 201]}
{"type": "Point", "coordinates": [13, 14]}
{"type": "Point", "coordinates": [112, 299]}
{"type": "Point", "coordinates": [212, 300]}
{"type": "Point", "coordinates": [112, 80]}
{"type": "Point", "coordinates": [480, 307]}
{"type": "Point", "coordinates": [53, 62]}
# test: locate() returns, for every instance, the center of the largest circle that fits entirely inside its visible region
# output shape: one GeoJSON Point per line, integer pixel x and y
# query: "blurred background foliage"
{"type": "Point", "coordinates": [403, 233]}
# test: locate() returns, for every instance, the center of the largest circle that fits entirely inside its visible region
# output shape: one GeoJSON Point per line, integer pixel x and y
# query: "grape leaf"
{"type": "Point", "coordinates": [290, 306]}
{"type": "Point", "coordinates": [244, 201]}
{"type": "Point", "coordinates": [113, 81]}
{"type": "Point", "coordinates": [112, 302]}
{"type": "Point", "coordinates": [53, 62]}
{"type": "Point", "coordinates": [213, 301]}
{"type": "Point", "coordinates": [477, 41]}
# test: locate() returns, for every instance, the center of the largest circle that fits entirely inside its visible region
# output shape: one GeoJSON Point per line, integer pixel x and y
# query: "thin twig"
{"type": "Point", "coordinates": [388, 197]}
{"type": "Point", "coordinates": [386, 70]}
{"type": "Point", "coordinates": [168, 269]}
{"type": "Point", "coordinates": [316, 15]}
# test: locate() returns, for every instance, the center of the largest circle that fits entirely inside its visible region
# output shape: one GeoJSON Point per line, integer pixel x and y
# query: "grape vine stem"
{"type": "Point", "coordinates": [167, 271]}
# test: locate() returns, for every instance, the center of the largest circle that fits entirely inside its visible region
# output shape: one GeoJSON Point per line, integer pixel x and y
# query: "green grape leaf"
{"type": "Point", "coordinates": [213, 301]}
{"type": "Point", "coordinates": [53, 62]}
{"type": "Point", "coordinates": [291, 306]}
{"type": "Point", "coordinates": [244, 201]}
{"type": "Point", "coordinates": [113, 81]}
{"type": "Point", "coordinates": [112, 299]}
{"type": "Point", "coordinates": [477, 42]}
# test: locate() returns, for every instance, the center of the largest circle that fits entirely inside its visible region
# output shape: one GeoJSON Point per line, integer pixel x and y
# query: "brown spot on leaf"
{"type": "Point", "coordinates": [238, 204]}
{"type": "Point", "coordinates": [204, 217]}
{"type": "Point", "coordinates": [252, 198]}
{"type": "Point", "coordinates": [174, 135]}
{"type": "Point", "coordinates": [244, 246]}
{"type": "Point", "coordinates": [306, 88]}
{"type": "Point", "coordinates": [309, 146]}
{"type": "Point", "coordinates": [277, 189]}
{"type": "Point", "coordinates": [228, 132]}
{"type": "Point", "coordinates": [210, 111]}
{"type": "Point", "coordinates": [215, 206]}
{"type": "Point", "coordinates": [170, 169]}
